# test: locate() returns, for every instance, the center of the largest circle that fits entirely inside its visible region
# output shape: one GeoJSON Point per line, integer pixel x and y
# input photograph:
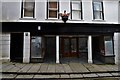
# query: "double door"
{"type": "Point", "coordinates": [69, 47]}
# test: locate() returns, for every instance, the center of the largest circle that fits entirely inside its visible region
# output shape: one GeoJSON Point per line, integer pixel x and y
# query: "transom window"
{"type": "Point", "coordinates": [52, 9]}
{"type": "Point", "coordinates": [98, 10]}
{"type": "Point", "coordinates": [28, 8]}
{"type": "Point", "coordinates": [76, 10]}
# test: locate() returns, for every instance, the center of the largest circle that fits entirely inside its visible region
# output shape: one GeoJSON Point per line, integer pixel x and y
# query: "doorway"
{"type": "Point", "coordinates": [98, 49]}
{"type": "Point", "coordinates": [50, 50]}
{"type": "Point", "coordinates": [16, 47]}
{"type": "Point", "coordinates": [73, 49]}
{"type": "Point", "coordinates": [69, 47]}
{"type": "Point", "coordinates": [36, 49]}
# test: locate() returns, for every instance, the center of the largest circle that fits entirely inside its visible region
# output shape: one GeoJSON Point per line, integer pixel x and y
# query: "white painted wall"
{"type": "Point", "coordinates": [5, 45]}
{"type": "Point", "coordinates": [119, 12]}
{"type": "Point", "coordinates": [0, 10]}
{"type": "Point", "coordinates": [87, 10]}
{"type": "Point", "coordinates": [11, 11]}
{"type": "Point", "coordinates": [111, 11]}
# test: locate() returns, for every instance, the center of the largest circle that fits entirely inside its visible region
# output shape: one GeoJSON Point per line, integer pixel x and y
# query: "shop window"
{"type": "Point", "coordinates": [98, 10]}
{"type": "Point", "coordinates": [76, 10]}
{"type": "Point", "coordinates": [28, 8]}
{"type": "Point", "coordinates": [108, 45]}
{"type": "Point", "coordinates": [52, 9]}
{"type": "Point", "coordinates": [83, 45]}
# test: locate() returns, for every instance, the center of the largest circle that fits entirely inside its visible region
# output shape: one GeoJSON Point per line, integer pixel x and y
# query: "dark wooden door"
{"type": "Point", "coordinates": [16, 47]}
{"type": "Point", "coordinates": [69, 47]}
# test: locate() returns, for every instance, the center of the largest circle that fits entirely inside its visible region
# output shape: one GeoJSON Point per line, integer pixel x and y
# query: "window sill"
{"type": "Point", "coordinates": [54, 19]}
{"type": "Point", "coordinates": [76, 20]}
{"type": "Point", "coordinates": [27, 18]}
{"type": "Point", "coordinates": [98, 20]}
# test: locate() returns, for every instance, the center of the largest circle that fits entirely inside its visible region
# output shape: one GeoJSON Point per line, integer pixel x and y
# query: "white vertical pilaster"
{"type": "Point", "coordinates": [90, 49]}
{"type": "Point", "coordinates": [57, 49]}
{"type": "Point", "coordinates": [26, 48]}
{"type": "Point", "coordinates": [116, 45]}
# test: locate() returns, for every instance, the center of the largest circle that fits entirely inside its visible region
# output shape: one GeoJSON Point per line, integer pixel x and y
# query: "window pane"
{"type": "Point", "coordinates": [52, 4]}
{"type": "Point", "coordinates": [66, 45]}
{"type": "Point", "coordinates": [52, 14]}
{"type": "Point", "coordinates": [98, 15]}
{"type": "Point", "coordinates": [98, 6]}
{"type": "Point", "coordinates": [28, 8]}
{"type": "Point", "coordinates": [82, 45]}
{"type": "Point", "coordinates": [76, 15]}
{"type": "Point", "coordinates": [76, 6]}
{"type": "Point", "coordinates": [73, 45]}
{"type": "Point", "coordinates": [108, 45]}
{"type": "Point", "coordinates": [52, 9]}
{"type": "Point", "coordinates": [28, 13]}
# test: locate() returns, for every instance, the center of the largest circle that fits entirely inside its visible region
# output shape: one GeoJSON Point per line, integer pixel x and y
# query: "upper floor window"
{"type": "Point", "coordinates": [76, 10]}
{"type": "Point", "coordinates": [52, 11]}
{"type": "Point", "coordinates": [98, 10]}
{"type": "Point", "coordinates": [28, 8]}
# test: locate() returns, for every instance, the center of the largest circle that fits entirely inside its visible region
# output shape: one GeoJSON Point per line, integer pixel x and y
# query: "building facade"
{"type": "Point", "coordinates": [33, 31]}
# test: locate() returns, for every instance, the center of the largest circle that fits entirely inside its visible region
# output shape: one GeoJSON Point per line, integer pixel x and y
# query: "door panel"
{"type": "Point", "coordinates": [36, 49]}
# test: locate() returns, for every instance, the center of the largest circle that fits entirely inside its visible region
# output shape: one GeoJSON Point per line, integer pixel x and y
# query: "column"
{"type": "Point", "coordinates": [90, 49]}
{"type": "Point", "coordinates": [57, 49]}
{"type": "Point", "coordinates": [26, 48]}
{"type": "Point", "coordinates": [116, 46]}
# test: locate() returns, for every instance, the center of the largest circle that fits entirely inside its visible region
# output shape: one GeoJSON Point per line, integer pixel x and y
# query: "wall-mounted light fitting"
{"type": "Point", "coordinates": [39, 27]}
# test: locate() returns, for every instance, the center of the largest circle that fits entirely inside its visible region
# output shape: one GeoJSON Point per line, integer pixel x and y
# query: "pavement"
{"type": "Point", "coordinates": [63, 71]}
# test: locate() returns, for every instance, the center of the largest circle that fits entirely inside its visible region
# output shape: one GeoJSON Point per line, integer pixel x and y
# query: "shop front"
{"type": "Point", "coordinates": [61, 42]}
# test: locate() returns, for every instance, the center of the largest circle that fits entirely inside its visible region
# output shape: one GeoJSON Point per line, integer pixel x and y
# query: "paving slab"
{"type": "Point", "coordinates": [8, 68]}
{"type": "Point", "coordinates": [51, 68]}
{"type": "Point", "coordinates": [9, 76]}
{"type": "Point", "coordinates": [67, 68]}
{"type": "Point", "coordinates": [104, 74]}
{"type": "Point", "coordinates": [90, 75]}
{"type": "Point", "coordinates": [76, 76]}
{"type": "Point", "coordinates": [34, 68]}
{"type": "Point", "coordinates": [43, 68]}
{"type": "Point", "coordinates": [46, 76]}
{"type": "Point", "coordinates": [24, 76]}
{"type": "Point", "coordinates": [59, 68]}
{"type": "Point", "coordinates": [115, 74]}
{"type": "Point", "coordinates": [25, 68]}
{"type": "Point", "coordinates": [64, 76]}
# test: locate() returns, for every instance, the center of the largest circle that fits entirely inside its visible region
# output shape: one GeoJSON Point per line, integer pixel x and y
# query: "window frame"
{"type": "Point", "coordinates": [23, 10]}
{"type": "Point", "coordinates": [53, 9]}
{"type": "Point", "coordinates": [80, 10]}
{"type": "Point", "coordinates": [101, 11]}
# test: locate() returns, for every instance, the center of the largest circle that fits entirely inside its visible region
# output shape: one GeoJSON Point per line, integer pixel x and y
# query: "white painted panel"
{"type": "Point", "coordinates": [40, 9]}
{"type": "Point", "coordinates": [5, 45]}
{"type": "Point", "coordinates": [11, 10]}
{"type": "Point", "coordinates": [111, 11]}
{"type": "Point", "coordinates": [87, 10]}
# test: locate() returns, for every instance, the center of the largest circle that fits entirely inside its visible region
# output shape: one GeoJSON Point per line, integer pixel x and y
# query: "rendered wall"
{"type": "Point", "coordinates": [5, 45]}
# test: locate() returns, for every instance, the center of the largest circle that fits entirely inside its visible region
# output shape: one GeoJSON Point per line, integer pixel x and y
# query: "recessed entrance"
{"type": "Point", "coordinates": [50, 50]}
{"type": "Point", "coordinates": [37, 47]}
{"type": "Point", "coordinates": [16, 47]}
{"type": "Point", "coordinates": [73, 49]}
{"type": "Point", "coordinates": [69, 47]}
{"type": "Point", "coordinates": [102, 47]}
